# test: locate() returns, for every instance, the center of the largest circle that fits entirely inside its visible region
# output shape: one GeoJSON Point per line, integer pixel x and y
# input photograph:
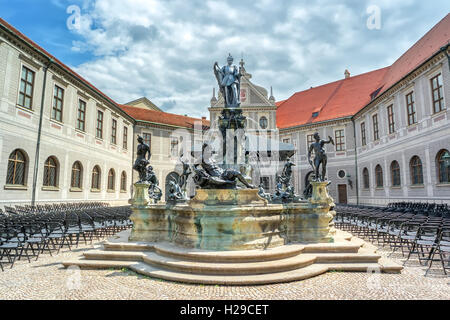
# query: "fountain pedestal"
{"type": "Point", "coordinates": [234, 237]}
{"type": "Point", "coordinates": [227, 219]}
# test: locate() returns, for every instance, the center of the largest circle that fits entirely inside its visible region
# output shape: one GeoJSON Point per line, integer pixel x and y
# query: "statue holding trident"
{"type": "Point", "coordinates": [229, 79]}
{"type": "Point", "coordinates": [320, 157]}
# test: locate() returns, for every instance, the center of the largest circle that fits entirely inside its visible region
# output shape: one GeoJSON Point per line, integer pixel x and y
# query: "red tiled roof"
{"type": "Point", "coordinates": [279, 103]}
{"type": "Point", "coordinates": [330, 101]}
{"type": "Point", "coordinates": [421, 51]}
{"type": "Point", "coordinates": [346, 97]}
{"type": "Point", "coordinates": [162, 117]}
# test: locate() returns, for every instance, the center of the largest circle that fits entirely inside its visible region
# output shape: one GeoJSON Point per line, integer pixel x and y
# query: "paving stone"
{"type": "Point", "coordinates": [48, 279]}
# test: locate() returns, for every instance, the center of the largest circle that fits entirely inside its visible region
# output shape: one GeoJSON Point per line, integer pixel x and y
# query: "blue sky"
{"type": "Point", "coordinates": [165, 49]}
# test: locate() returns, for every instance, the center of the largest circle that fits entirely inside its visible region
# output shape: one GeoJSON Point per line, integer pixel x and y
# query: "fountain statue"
{"type": "Point", "coordinates": [230, 232]}
{"type": "Point", "coordinates": [208, 175]}
{"type": "Point", "coordinates": [320, 156]}
{"type": "Point", "coordinates": [142, 159]}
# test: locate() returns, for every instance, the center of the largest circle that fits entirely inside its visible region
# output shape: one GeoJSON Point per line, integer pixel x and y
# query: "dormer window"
{"type": "Point", "coordinates": [315, 114]}
{"type": "Point", "coordinates": [374, 94]}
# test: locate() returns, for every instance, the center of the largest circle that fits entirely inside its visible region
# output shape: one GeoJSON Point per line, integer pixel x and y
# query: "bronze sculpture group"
{"type": "Point", "coordinates": [209, 175]}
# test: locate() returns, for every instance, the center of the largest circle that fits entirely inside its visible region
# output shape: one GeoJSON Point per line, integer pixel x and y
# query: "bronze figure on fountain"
{"type": "Point", "coordinates": [320, 156]}
{"type": "Point", "coordinates": [229, 81]}
{"type": "Point", "coordinates": [142, 159]}
{"type": "Point", "coordinates": [210, 176]}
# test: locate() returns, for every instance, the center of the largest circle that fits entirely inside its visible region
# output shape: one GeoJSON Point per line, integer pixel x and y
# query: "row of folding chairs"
{"type": "Point", "coordinates": [28, 231]}
{"type": "Point", "coordinates": [414, 228]}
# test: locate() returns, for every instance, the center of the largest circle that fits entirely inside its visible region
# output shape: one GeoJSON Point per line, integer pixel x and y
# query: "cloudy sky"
{"type": "Point", "coordinates": [165, 49]}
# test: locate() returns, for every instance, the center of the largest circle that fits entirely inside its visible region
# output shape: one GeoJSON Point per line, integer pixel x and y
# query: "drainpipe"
{"type": "Point", "coordinates": [356, 163]}
{"type": "Point", "coordinates": [132, 161]}
{"type": "Point", "coordinates": [445, 49]}
{"type": "Point", "coordinates": [38, 144]}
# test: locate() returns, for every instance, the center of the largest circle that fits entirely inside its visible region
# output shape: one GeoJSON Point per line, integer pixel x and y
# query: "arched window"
{"type": "Point", "coordinates": [51, 172]}
{"type": "Point", "coordinates": [366, 178]}
{"type": "Point", "coordinates": [443, 165]}
{"type": "Point", "coordinates": [379, 176]}
{"type": "Point", "coordinates": [123, 181]}
{"type": "Point", "coordinates": [17, 166]}
{"type": "Point", "coordinates": [77, 175]}
{"type": "Point", "coordinates": [415, 166]}
{"type": "Point", "coordinates": [96, 175]}
{"type": "Point", "coordinates": [395, 174]}
{"type": "Point", "coordinates": [111, 180]}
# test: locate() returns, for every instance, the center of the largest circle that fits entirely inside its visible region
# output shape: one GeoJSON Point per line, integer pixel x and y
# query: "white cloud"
{"type": "Point", "coordinates": [165, 49]}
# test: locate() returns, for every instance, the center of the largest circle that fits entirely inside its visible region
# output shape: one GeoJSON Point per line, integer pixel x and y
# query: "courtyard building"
{"type": "Point", "coordinates": [62, 139]}
{"type": "Point", "coordinates": [391, 127]}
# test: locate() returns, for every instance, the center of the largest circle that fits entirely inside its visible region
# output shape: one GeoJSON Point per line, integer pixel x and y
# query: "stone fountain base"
{"type": "Point", "coordinates": [234, 237]}
{"type": "Point", "coordinates": [234, 220]}
{"type": "Point", "coordinates": [285, 263]}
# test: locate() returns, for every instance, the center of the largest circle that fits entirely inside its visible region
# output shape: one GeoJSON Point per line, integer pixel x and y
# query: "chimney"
{"type": "Point", "coordinates": [347, 74]}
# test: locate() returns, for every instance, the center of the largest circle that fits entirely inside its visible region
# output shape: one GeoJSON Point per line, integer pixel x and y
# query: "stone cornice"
{"type": "Point", "coordinates": [247, 108]}
{"type": "Point", "coordinates": [83, 95]}
{"type": "Point", "coordinates": [60, 80]}
{"type": "Point", "coordinates": [310, 126]}
{"type": "Point", "coordinates": [149, 124]}
{"type": "Point", "coordinates": [30, 61]}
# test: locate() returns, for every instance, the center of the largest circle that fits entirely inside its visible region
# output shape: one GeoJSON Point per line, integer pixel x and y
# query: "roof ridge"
{"type": "Point", "coordinates": [340, 80]}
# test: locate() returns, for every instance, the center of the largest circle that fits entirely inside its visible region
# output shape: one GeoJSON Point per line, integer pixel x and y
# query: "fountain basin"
{"type": "Point", "coordinates": [234, 220]}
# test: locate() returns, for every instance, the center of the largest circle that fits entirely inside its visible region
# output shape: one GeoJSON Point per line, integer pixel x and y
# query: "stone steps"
{"type": "Point", "coordinates": [269, 254]}
{"type": "Point", "coordinates": [347, 257]}
{"type": "Point", "coordinates": [256, 279]}
{"type": "Point", "coordinates": [99, 264]}
{"type": "Point", "coordinates": [155, 272]}
{"type": "Point", "coordinates": [332, 248]}
{"type": "Point", "coordinates": [199, 267]}
{"type": "Point", "coordinates": [233, 267]}
{"type": "Point", "coordinates": [290, 262]}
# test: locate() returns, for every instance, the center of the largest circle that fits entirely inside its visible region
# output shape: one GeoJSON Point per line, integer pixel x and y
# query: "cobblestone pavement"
{"type": "Point", "coordinates": [47, 279]}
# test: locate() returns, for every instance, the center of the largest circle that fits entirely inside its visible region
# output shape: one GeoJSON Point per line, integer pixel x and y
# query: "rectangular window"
{"type": "Point", "coordinates": [125, 138]}
{"type": "Point", "coordinates": [376, 135]}
{"type": "Point", "coordinates": [340, 140]}
{"type": "Point", "coordinates": [436, 92]}
{"type": "Point", "coordinates": [411, 108]}
{"type": "Point", "coordinates": [287, 140]}
{"type": "Point", "coordinates": [174, 147]}
{"type": "Point", "coordinates": [58, 99]}
{"type": "Point", "coordinates": [26, 88]}
{"type": "Point", "coordinates": [391, 122]}
{"type": "Point", "coordinates": [81, 115]}
{"type": "Point", "coordinates": [265, 182]}
{"type": "Point", "coordinates": [99, 132]}
{"type": "Point", "coordinates": [147, 139]}
{"type": "Point", "coordinates": [363, 134]}
{"type": "Point", "coordinates": [309, 141]}
{"type": "Point", "coordinates": [114, 131]}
